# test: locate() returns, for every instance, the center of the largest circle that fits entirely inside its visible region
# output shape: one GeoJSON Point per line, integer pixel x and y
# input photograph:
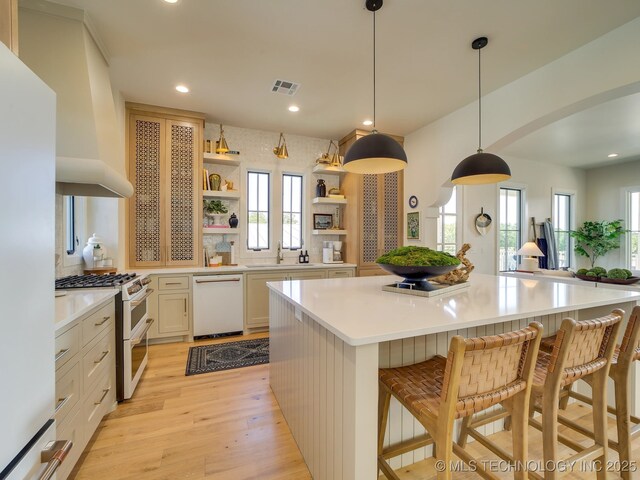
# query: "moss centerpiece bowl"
{"type": "Point", "coordinates": [417, 264]}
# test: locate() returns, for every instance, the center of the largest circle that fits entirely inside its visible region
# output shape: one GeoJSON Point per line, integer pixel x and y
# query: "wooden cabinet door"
{"type": "Point", "coordinates": [146, 153]}
{"type": "Point", "coordinates": [392, 216]}
{"type": "Point", "coordinates": [370, 227]}
{"type": "Point", "coordinates": [173, 313]}
{"type": "Point", "coordinates": [257, 298]}
{"type": "Point", "coordinates": [181, 193]}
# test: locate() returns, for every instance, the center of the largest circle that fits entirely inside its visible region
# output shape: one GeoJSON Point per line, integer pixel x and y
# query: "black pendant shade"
{"type": "Point", "coordinates": [481, 168]}
{"type": "Point", "coordinates": [376, 153]}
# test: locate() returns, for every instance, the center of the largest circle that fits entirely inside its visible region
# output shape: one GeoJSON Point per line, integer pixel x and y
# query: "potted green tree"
{"type": "Point", "coordinates": [596, 239]}
{"type": "Point", "coordinates": [215, 210]}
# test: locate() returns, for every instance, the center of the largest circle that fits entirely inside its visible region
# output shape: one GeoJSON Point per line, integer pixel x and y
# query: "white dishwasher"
{"type": "Point", "coordinates": [218, 306]}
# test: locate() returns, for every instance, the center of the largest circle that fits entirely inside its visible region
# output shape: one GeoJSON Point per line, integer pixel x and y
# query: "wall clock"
{"type": "Point", "coordinates": [413, 201]}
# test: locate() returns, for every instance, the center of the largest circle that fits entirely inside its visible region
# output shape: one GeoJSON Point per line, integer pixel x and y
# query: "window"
{"type": "Point", "coordinates": [447, 231]}
{"type": "Point", "coordinates": [510, 234]}
{"type": "Point", "coordinates": [562, 220]}
{"type": "Point", "coordinates": [633, 224]}
{"type": "Point", "coordinates": [257, 210]}
{"type": "Point", "coordinates": [291, 211]}
{"type": "Point", "coordinates": [70, 236]}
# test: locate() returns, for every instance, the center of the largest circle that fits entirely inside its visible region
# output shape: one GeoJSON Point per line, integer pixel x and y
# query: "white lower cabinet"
{"type": "Point", "coordinates": [170, 305]}
{"type": "Point", "coordinates": [85, 379]}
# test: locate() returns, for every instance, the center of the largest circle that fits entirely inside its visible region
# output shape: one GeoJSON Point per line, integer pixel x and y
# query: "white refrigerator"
{"type": "Point", "coordinates": [27, 245]}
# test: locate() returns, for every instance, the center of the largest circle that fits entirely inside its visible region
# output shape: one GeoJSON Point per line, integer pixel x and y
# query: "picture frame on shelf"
{"type": "Point", "coordinates": [322, 221]}
{"type": "Point", "coordinates": [413, 226]}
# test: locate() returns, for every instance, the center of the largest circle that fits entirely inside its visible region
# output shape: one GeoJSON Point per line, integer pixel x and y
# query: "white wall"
{"type": "Point", "coordinates": [256, 152]}
{"type": "Point", "coordinates": [605, 200]}
{"type": "Point", "coordinates": [580, 79]}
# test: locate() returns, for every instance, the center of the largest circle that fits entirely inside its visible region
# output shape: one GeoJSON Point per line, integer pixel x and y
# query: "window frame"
{"type": "Point", "coordinates": [269, 174]}
{"type": "Point", "coordinates": [626, 243]}
{"type": "Point", "coordinates": [522, 189]}
{"type": "Point", "coordinates": [440, 245]}
{"type": "Point", "coordinates": [300, 176]}
{"type": "Point", "coordinates": [572, 221]}
{"type": "Point", "coordinates": [80, 222]}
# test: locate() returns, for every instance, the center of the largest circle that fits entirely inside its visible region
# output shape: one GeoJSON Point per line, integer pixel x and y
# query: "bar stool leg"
{"type": "Point", "coordinates": [550, 434]}
{"type": "Point", "coordinates": [384, 399]}
{"type": "Point", "coordinates": [599, 395]}
{"type": "Point", "coordinates": [464, 431]}
{"type": "Point", "coordinates": [623, 423]}
{"type": "Point", "coordinates": [444, 447]}
{"type": "Point", "coordinates": [518, 407]}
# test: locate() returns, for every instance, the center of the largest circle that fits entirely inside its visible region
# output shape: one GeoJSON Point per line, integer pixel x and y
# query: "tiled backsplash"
{"type": "Point", "coordinates": [256, 152]}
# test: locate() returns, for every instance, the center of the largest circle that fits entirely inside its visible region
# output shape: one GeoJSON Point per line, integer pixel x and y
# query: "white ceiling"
{"type": "Point", "coordinates": [586, 138]}
{"type": "Point", "coordinates": [229, 52]}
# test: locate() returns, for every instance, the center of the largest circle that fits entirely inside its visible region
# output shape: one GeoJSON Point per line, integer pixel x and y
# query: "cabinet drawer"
{"type": "Point", "coordinates": [173, 283]}
{"type": "Point", "coordinates": [97, 404]}
{"type": "Point", "coordinates": [97, 322]}
{"type": "Point", "coordinates": [340, 273]}
{"type": "Point", "coordinates": [70, 429]}
{"type": "Point", "coordinates": [67, 345]}
{"type": "Point", "coordinates": [67, 391]}
{"type": "Point", "coordinates": [98, 360]}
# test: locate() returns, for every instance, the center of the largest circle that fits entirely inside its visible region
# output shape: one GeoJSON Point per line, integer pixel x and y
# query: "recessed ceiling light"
{"type": "Point", "coordinates": [612, 155]}
{"type": "Point", "coordinates": [171, 1]}
{"type": "Point", "coordinates": [294, 108]}
{"type": "Point", "coordinates": [182, 89]}
{"type": "Point", "coordinates": [367, 122]}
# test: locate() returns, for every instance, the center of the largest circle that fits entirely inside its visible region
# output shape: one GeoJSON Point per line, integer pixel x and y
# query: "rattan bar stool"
{"type": "Point", "coordinates": [477, 374]}
{"type": "Point", "coordinates": [625, 354]}
{"type": "Point", "coordinates": [582, 351]}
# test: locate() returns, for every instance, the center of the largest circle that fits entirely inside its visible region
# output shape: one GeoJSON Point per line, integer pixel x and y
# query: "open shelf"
{"type": "Point", "coordinates": [220, 230]}
{"type": "Point", "coordinates": [221, 193]}
{"type": "Point", "coordinates": [328, 169]}
{"type": "Point", "coordinates": [219, 159]}
{"type": "Point", "coordinates": [329, 231]}
{"type": "Point", "coordinates": [330, 201]}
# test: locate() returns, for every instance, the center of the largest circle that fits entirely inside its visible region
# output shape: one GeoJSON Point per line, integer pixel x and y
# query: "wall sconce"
{"type": "Point", "coordinates": [222, 146]}
{"type": "Point", "coordinates": [326, 158]}
{"type": "Point", "coordinates": [281, 150]}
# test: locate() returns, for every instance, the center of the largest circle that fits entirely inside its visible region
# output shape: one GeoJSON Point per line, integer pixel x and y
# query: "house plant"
{"type": "Point", "coordinates": [215, 210]}
{"type": "Point", "coordinates": [596, 239]}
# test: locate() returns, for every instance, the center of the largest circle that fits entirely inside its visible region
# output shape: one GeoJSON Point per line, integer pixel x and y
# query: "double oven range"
{"type": "Point", "coordinates": [132, 323]}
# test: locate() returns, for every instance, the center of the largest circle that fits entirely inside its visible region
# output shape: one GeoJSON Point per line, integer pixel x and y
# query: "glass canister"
{"type": "Point", "coordinates": [321, 188]}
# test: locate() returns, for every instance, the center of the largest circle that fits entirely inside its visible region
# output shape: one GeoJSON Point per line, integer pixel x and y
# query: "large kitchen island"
{"type": "Point", "coordinates": [329, 337]}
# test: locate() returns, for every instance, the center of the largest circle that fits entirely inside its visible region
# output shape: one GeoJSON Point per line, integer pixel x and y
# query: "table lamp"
{"type": "Point", "coordinates": [530, 252]}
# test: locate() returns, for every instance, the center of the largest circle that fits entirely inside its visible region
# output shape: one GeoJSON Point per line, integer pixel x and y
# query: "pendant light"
{"type": "Point", "coordinates": [222, 146]}
{"type": "Point", "coordinates": [481, 167]}
{"type": "Point", "coordinates": [375, 153]}
{"type": "Point", "coordinates": [281, 150]}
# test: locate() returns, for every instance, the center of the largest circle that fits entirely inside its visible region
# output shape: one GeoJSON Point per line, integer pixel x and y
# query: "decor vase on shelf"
{"type": "Point", "coordinates": [233, 221]}
{"type": "Point", "coordinates": [321, 188]}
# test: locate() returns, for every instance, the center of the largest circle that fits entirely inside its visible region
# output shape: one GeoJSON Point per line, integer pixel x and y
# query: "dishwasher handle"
{"type": "Point", "coordinates": [237, 279]}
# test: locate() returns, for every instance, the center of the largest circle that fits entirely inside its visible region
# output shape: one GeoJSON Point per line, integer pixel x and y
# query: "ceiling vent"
{"type": "Point", "coordinates": [285, 87]}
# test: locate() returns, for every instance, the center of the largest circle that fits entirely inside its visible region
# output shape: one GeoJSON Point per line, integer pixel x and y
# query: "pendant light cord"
{"type": "Point", "coordinates": [374, 70]}
{"type": "Point", "coordinates": [479, 103]}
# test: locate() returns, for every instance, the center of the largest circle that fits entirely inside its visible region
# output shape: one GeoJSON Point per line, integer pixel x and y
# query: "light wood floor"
{"type": "Point", "coordinates": [222, 425]}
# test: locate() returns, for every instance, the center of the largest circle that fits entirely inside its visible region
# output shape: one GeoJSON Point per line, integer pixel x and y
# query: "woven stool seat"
{"type": "Point", "coordinates": [419, 387]}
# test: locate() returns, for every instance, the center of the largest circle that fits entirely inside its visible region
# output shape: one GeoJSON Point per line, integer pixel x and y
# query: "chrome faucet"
{"type": "Point", "coordinates": [280, 257]}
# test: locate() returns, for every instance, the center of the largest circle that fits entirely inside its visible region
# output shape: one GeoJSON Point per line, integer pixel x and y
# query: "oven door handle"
{"type": "Point", "coordinates": [136, 341]}
{"type": "Point", "coordinates": [135, 303]}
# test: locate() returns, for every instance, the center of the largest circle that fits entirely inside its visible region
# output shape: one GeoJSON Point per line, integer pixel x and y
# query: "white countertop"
{"type": "Point", "coordinates": [76, 303]}
{"type": "Point", "coordinates": [359, 312]}
{"type": "Point", "coordinates": [575, 280]}
{"type": "Point", "coordinates": [237, 268]}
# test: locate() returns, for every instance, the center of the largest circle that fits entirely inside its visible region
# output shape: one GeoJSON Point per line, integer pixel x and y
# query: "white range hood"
{"type": "Point", "coordinates": [89, 178]}
{"type": "Point", "coordinates": [58, 45]}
